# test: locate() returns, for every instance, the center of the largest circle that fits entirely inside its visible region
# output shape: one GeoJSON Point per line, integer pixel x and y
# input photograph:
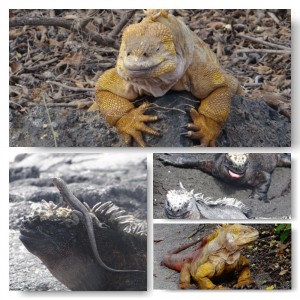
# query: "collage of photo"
{"type": "Point", "coordinates": [150, 150]}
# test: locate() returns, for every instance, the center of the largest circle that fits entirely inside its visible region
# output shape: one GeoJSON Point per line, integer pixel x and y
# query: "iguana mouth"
{"type": "Point", "coordinates": [30, 235]}
{"type": "Point", "coordinates": [171, 215]}
{"type": "Point", "coordinates": [140, 70]}
{"type": "Point", "coordinates": [235, 174]}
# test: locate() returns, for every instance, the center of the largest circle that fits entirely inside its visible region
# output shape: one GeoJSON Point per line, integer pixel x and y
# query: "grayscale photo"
{"type": "Point", "coordinates": [78, 222]}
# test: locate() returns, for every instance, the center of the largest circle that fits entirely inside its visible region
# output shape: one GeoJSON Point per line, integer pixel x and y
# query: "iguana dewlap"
{"type": "Point", "coordinates": [157, 55]}
{"type": "Point", "coordinates": [218, 255]}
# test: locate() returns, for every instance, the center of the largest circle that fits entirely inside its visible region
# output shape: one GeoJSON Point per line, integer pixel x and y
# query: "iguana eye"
{"type": "Point", "coordinates": [158, 48]}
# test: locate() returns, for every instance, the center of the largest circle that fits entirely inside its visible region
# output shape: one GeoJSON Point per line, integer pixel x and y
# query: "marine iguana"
{"type": "Point", "coordinates": [157, 55]}
{"type": "Point", "coordinates": [87, 218]}
{"type": "Point", "coordinates": [216, 256]}
{"type": "Point", "coordinates": [181, 204]}
{"type": "Point", "coordinates": [58, 237]}
{"type": "Point", "coordinates": [240, 169]}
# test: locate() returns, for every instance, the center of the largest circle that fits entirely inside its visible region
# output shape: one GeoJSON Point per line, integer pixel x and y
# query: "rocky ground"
{"type": "Point", "coordinates": [167, 178]}
{"type": "Point", "coordinates": [270, 259]}
{"type": "Point", "coordinates": [93, 178]}
{"type": "Point", "coordinates": [53, 70]}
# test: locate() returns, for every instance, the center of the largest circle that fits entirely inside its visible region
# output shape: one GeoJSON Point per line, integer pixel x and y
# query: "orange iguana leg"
{"type": "Point", "coordinates": [211, 114]}
{"type": "Point", "coordinates": [244, 278]}
{"type": "Point", "coordinates": [185, 278]}
{"type": "Point", "coordinates": [113, 95]}
{"type": "Point", "coordinates": [215, 87]}
{"type": "Point", "coordinates": [203, 276]}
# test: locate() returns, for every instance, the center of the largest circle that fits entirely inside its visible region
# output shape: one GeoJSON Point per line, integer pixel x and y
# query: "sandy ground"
{"type": "Point", "coordinates": [167, 178]}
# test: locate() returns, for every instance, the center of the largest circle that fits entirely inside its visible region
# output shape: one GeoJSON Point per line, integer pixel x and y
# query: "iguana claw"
{"type": "Point", "coordinates": [204, 129]}
{"type": "Point", "coordinates": [133, 124]}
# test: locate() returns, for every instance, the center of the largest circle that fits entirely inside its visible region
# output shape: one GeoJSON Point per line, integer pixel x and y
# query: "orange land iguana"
{"type": "Point", "coordinates": [58, 237]}
{"type": "Point", "coordinates": [157, 55]}
{"type": "Point", "coordinates": [216, 256]}
{"type": "Point", "coordinates": [241, 169]}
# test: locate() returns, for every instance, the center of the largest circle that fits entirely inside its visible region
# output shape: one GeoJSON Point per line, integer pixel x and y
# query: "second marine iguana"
{"type": "Point", "coordinates": [157, 55]}
{"type": "Point", "coordinates": [217, 256]}
{"type": "Point", "coordinates": [57, 236]}
{"type": "Point", "coordinates": [240, 169]}
{"type": "Point", "coordinates": [182, 204]}
{"type": "Point", "coordinates": [87, 218]}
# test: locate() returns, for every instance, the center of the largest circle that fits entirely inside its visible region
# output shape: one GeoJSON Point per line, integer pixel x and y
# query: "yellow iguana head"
{"type": "Point", "coordinates": [238, 235]}
{"type": "Point", "coordinates": [147, 50]}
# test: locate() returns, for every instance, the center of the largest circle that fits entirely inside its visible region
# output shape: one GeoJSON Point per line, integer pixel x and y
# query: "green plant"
{"type": "Point", "coordinates": [284, 231]}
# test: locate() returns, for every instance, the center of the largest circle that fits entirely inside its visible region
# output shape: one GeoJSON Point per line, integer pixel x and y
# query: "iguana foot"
{"type": "Point", "coordinates": [220, 287]}
{"type": "Point", "coordinates": [132, 125]}
{"type": "Point", "coordinates": [204, 129]}
{"type": "Point", "coordinates": [260, 197]}
{"type": "Point", "coordinates": [244, 284]}
{"type": "Point", "coordinates": [187, 286]}
{"type": "Point", "coordinates": [97, 221]}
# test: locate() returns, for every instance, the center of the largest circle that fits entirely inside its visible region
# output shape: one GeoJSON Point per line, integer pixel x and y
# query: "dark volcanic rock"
{"type": "Point", "coordinates": [22, 173]}
{"type": "Point", "coordinates": [74, 129]}
{"type": "Point", "coordinates": [251, 123]}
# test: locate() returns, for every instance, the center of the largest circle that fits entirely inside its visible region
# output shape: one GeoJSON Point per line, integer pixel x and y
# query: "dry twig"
{"type": "Point", "coordinates": [125, 19]}
{"type": "Point", "coordinates": [248, 50]}
{"type": "Point", "coordinates": [71, 88]}
{"type": "Point", "coordinates": [260, 41]}
{"type": "Point", "coordinates": [105, 41]}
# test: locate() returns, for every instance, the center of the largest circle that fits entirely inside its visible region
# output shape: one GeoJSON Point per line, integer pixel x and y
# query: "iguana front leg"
{"type": "Point", "coordinates": [211, 114]}
{"type": "Point", "coordinates": [244, 278]}
{"type": "Point", "coordinates": [208, 82]}
{"type": "Point", "coordinates": [203, 275]}
{"type": "Point", "coordinates": [113, 99]}
{"type": "Point", "coordinates": [185, 278]}
{"type": "Point", "coordinates": [261, 183]}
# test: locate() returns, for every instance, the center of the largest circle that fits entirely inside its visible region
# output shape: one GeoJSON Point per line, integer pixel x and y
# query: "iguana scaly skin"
{"type": "Point", "coordinates": [218, 254]}
{"type": "Point", "coordinates": [157, 55]}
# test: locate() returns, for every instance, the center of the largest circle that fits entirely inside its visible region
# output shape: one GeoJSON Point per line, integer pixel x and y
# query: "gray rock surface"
{"type": "Point", "coordinates": [251, 123]}
{"type": "Point", "coordinates": [120, 178]}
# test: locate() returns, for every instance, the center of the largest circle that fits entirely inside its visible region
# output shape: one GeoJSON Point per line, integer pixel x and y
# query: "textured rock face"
{"type": "Point", "coordinates": [251, 123]}
{"type": "Point", "coordinates": [93, 178]}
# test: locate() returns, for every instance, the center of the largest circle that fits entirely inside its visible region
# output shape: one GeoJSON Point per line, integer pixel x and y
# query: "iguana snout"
{"type": "Point", "coordinates": [147, 50]}
{"type": "Point", "coordinates": [236, 164]}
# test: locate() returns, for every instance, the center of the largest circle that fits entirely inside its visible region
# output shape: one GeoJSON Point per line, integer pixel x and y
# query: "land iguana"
{"type": "Point", "coordinates": [216, 257]}
{"type": "Point", "coordinates": [58, 236]}
{"type": "Point", "coordinates": [157, 55]}
{"type": "Point", "coordinates": [240, 169]}
{"type": "Point", "coordinates": [182, 204]}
